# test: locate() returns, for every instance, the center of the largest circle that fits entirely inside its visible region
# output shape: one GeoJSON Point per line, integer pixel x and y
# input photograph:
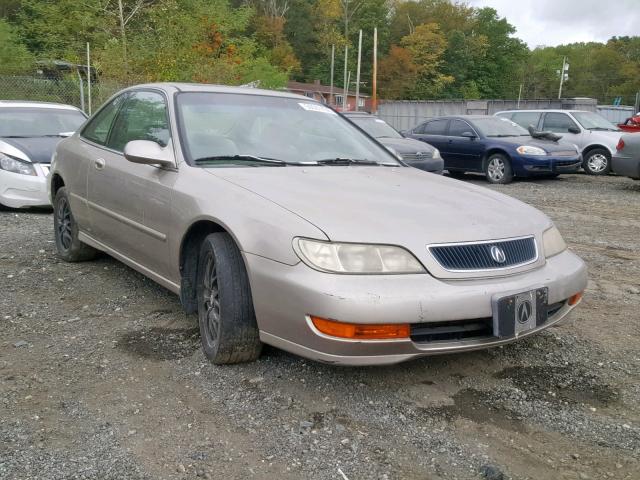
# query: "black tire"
{"type": "Point", "coordinates": [597, 162]}
{"type": "Point", "coordinates": [65, 230]}
{"type": "Point", "coordinates": [456, 173]}
{"type": "Point", "coordinates": [497, 169]}
{"type": "Point", "coordinates": [228, 327]}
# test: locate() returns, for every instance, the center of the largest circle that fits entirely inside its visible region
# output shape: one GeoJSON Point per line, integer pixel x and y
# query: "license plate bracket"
{"type": "Point", "coordinates": [518, 313]}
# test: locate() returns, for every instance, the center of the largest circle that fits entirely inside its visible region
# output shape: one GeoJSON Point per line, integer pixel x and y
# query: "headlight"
{"type": "Point", "coordinates": [436, 153]}
{"type": "Point", "coordinates": [11, 164]}
{"type": "Point", "coordinates": [356, 258]}
{"type": "Point", "coordinates": [553, 242]}
{"type": "Point", "coordinates": [529, 150]}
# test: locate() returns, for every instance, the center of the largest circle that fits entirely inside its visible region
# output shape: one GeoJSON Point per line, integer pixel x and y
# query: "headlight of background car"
{"type": "Point", "coordinates": [553, 242]}
{"type": "Point", "coordinates": [436, 153]}
{"type": "Point", "coordinates": [11, 164]}
{"type": "Point", "coordinates": [356, 258]}
{"type": "Point", "coordinates": [529, 150]}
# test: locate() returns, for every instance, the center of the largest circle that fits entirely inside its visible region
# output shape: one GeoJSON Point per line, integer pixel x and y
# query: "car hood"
{"type": "Point", "coordinates": [406, 145]}
{"type": "Point", "coordinates": [548, 145]}
{"type": "Point", "coordinates": [36, 149]}
{"type": "Point", "coordinates": [399, 206]}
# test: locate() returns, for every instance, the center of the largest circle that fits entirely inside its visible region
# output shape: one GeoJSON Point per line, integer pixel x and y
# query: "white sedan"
{"type": "Point", "coordinates": [29, 133]}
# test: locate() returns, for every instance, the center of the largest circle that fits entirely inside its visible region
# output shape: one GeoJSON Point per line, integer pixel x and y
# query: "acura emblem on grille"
{"type": "Point", "coordinates": [524, 311]}
{"type": "Point", "coordinates": [498, 254]}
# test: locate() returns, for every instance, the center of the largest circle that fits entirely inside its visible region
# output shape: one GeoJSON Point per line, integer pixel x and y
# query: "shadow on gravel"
{"type": "Point", "coordinates": [565, 383]}
{"type": "Point", "coordinates": [161, 343]}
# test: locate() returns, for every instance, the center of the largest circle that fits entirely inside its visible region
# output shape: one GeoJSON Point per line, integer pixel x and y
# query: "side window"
{"type": "Point", "coordinates": [97, 130]}
{"type": "Point", "coordinates": [143, 117]}
{"type": "Point", "coordinates": [558, 122]}
{"type": "Point", "coordinates": [524, 119]}
{"type": "Point", "coordinates": [436, 127]}
{"type": "Point", "coordinates": [458, 127]}
{"type": "Point", "coordinates": [419, 129]}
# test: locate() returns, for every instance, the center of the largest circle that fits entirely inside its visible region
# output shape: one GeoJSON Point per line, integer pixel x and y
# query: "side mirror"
{"type": "Point", "coordinates": [469, 135]}
{"type": "Point", "coordinates": [147, 152]}
{"type": "Point", "coordinates": [573, 130]}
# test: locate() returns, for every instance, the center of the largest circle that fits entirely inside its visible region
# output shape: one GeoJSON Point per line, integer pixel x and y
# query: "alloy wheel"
{"type": "Point", "coordinates": [64, 224]}
{"type": "Point", "coordinates": [211, 297]}
{"type": "Point", "coordinates": [597, 162]}
{"type": "Point", "coordinates": [496, 169]}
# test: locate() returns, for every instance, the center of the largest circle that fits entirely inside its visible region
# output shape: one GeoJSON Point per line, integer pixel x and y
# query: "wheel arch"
{"type": "Point", "coordinates": [595, 146]}
{"type": "Point", "coordinates": [188, 258]}
{"type": "Point", "coordinates": [494, 150]}
{"type": "Point", "coordinates": [56, 182]}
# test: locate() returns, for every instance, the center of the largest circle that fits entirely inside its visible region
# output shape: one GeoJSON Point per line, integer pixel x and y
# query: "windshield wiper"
{"type": "Point", "coordinates": [501, 136]}
{"type": "Point", "coordinates": [604, 129]}
{"type": "Point", "coordinates": [347, 161]}
{"type": "Point", "coordinates": [247, 158]}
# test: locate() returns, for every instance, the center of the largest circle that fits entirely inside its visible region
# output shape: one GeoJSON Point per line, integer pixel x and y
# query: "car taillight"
{"type": "Point", "coordinates": [620, 145]}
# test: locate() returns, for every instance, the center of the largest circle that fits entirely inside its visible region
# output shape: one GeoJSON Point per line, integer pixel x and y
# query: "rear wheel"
{"type": "Point", "coordinates": [498, 169]}
{"type": "Point", "coordinates": [597, 162]}
{"type": "Point", "coordinates": [68, 246]}
{"type": "Point", "coordinates": [228, 327]}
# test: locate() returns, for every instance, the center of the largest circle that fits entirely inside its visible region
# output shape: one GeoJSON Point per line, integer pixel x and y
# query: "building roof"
{"type": "Point", "coordinates": [317, 87]}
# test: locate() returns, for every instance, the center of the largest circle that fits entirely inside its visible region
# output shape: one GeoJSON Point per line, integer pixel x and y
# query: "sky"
{"type": "Point", "coordinates": [555, 22]}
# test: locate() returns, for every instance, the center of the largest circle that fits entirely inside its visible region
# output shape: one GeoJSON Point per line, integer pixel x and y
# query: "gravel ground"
{"type": "Point", "coordinates": [102, 377]}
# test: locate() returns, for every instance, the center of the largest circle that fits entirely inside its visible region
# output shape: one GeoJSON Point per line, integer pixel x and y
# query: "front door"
{"type": "Point", "coordinates": [465, 149]}
{"type": "Point", "coordinates": [130, 203]}
{"type": "Point", "coordinates": [562, 123]}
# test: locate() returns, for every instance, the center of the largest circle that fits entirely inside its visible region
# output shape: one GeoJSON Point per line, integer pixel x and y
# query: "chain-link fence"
{"type": "Point", "coordinates": [69, 90]}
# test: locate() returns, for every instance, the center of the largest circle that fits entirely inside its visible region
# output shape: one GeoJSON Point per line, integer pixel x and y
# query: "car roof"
{"type": "Point", "coordinates": [460, 117]}
{"type": "Point", "coordinates": [539, 110]}
{"type": "Point", "coordinates": [211, 88]}
{"type": "Point", "coordinates": [35, 104]}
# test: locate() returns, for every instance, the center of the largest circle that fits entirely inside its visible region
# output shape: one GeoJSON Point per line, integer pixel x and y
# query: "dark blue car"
{"type": "Point", "coordinates": [497, 147]}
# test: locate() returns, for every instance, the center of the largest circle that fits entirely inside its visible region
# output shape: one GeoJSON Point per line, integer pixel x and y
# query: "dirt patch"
{"type": "Point", "coordinates": [161, 343]}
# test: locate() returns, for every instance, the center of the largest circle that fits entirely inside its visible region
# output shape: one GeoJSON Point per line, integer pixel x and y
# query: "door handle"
{"type": "Point", "coordinates": [99, 163]}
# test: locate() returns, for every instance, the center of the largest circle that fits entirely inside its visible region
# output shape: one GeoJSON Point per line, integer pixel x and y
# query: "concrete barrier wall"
{"type": "Point", "coordinates": [406, 114]}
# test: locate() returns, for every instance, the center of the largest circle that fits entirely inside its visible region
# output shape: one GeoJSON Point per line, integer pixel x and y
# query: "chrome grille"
{"type": "Point", "coordinates": [412, 157]}
{"type": "Point", "coordinates": [565, 153]}
{"type": "Point", "coordinates": [477, 256]}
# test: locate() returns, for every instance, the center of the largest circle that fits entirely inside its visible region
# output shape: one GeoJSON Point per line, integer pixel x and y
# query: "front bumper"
{"type": "Point", "coordinates": [626, 166]}
{"type": "Point", "coordinates": [550, 165]}
{"type": "Point", "coordinates": [284, 297]}
{"type": "Point", "coordinates": [19, 191]}
{"type": "Point", "coordinates": [431, 165]}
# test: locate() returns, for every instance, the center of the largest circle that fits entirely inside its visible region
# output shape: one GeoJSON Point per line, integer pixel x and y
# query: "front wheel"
{"type": "Point", "coordinates": [228, 327]}
{"type": "Point", "coordinates": [597, 162]}
{"type": "Point", "coordinates": [498, 169]}
{"type": "Point", "coordinates": [65, 229]}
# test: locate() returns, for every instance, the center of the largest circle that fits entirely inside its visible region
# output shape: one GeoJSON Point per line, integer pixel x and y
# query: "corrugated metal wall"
{"type": "Point", "coordinates": [406, 114]}
{"type": "Point", "coordinates": [616, 114]}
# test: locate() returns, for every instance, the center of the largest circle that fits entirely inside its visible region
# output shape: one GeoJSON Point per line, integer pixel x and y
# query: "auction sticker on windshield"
{"type": "Point", "coordinates": [314, 107]}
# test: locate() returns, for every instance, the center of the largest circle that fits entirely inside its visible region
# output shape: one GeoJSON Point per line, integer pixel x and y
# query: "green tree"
{"type": "Point", "coordinates": [14, 56]}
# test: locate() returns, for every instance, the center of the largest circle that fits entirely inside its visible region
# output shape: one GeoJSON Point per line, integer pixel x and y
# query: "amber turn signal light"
{"type": "Point", "coordinates": [360, 331]}
{"type": "Point", "coordinates": [575, 299]}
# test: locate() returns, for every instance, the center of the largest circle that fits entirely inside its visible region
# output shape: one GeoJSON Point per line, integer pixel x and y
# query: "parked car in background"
{"type": "Point", "coordinates": [29, 132]}
{"type": "Point", "coordinates": [278, 221]}
{"type": "Point", "coordinates": [499, 148]}
{"type": "Point", "coordinates": [626, 160]}
{"type": "Point", "coordinates": [632, 124]}
{"type": "Point", "coordinates": [595, 136]}
{"type": "Point", "coordinates": [416, 154]}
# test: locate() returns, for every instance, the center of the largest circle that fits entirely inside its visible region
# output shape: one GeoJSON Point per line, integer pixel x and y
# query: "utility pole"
{"type": "Point", "coordinates": [564, 75]}
{"type": "Point", "coordinates": [519, 97]}
{"type": "Point", "coordinates": [88, 78]}
{"type": "Point", "coordinates": [333, 55]}
{"type": "Point", "coordinates": [346, 83]}
{"type": "Point", "coordinates": [358, 71]}
{"type": "Point", "coordinates": [374, 95]}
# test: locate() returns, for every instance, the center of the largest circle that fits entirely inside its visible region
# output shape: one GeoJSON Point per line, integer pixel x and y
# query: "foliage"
{"type": "Point", "coordinates": [14, 56]}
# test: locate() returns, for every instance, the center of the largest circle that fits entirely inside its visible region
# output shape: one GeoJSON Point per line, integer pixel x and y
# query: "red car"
{"type": "Point", "coordinates": [632, 124]}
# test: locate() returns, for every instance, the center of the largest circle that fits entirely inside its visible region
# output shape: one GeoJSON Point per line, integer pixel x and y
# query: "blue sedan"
{"type": "Point", "coordinates": [497, 147]}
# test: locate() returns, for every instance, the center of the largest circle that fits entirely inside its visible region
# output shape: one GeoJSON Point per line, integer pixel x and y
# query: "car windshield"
{"type": "Point", "coordinates": [593, 121]}
{"type": "Point", "coordinates": [229, 128]}
{"type": "Point", "coordinates": [375, 127]}
{"type": "Point", "coordinates": [499, 127]}
{"type": "Point", "coordinates": [38, 122]}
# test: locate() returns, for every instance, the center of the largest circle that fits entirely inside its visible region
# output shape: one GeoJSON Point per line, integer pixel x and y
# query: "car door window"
{"type": "Point", "coordinates": [436, 127]}
{"type": "Point", "coordinates": [558, 123]}
{"type": "Point", "coordinates": [524, 119]}
{"type": "Point", "coordinates": [143, 117]}
{"type": "Point", "coordinates": [97, 130]}
{"type": "Point", "coordinates": [458, 127]}
{"type": "Point", "coordinates": [419, 129]}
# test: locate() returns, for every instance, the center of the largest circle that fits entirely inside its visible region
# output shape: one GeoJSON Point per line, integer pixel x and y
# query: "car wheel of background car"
{"type": "Point", "coordinates": [65, 229]}
{"type": "Point", "coordinates": [228, 327]}
{"type": "Point", "coordinates": [498, 169]}
{"type": "Point", "coordinates": [597, 162]}
{"type": "Point", "coordinates": [456, 173]}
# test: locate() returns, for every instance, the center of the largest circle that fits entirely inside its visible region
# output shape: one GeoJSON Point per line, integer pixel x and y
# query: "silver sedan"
{"type": "Point", "coordinates": [279, 222]}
